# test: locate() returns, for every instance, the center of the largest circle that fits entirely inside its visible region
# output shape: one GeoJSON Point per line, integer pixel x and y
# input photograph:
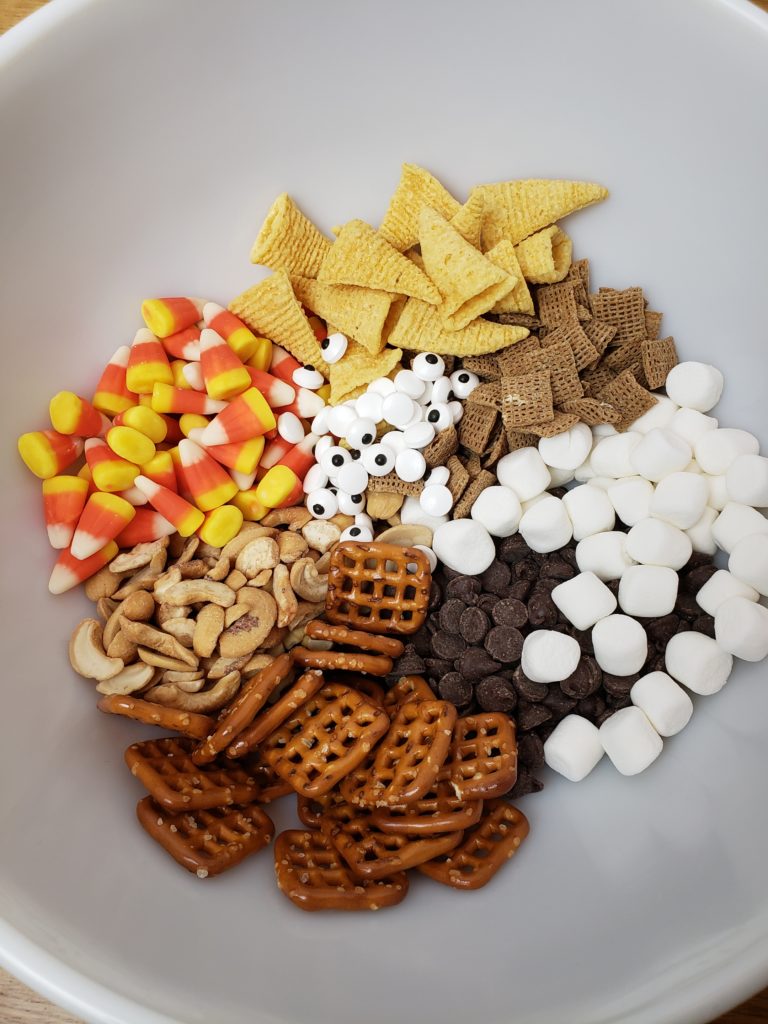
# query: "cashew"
{"type": "Point", "coordinates": [219, 570]}
{"type": "Point", "coordinates": [248, 532]}
{"type": "Point", "coordinates": [394, 520]}
{"type": "Point", "coordinates": [112, 626]}
{"type": "Point", "coordinates": [294, 518]}
{"type": "Point", "coordinates": [199, 591]}
{"type": "Point", "coordinates": [406, 535]}
{"type": "Point", "coordinates": [236, 580]}
{"type": "Point", "coordinates": [158, 640]}
{"type": "Point", "coordinates": [165, 582]}
{"type": "Point", "coordinates": [321, 534]}
{"type": "Point", "coordinates": [139, 606]}
{"type": "Point", "coordinates": [307, 610]}
{"type": "Point", "coordinates": [217, 697]}
{"type": "Point", "coordinates": [195, 569]}
{"type": "Point", "coordinates": [121, 647]}
{"type": "Point", "coordinates": [144, 579]}
{"type": "Point", "coordinates": [166, 612]}
{"type": "Point", "coordinates": [342, 521]}
{"type": "Point", "coordinates": [164, 661]}
{"type": "Point", "coordinates": [208, 551]}
{"type": "Point", "coordinates": [182, 630]}
{"type": "Point", "coordinates": [190, 682]}
{"type": "Point", "coordinates": [256, 664]}
{"type": "Point", "coordinates": [189, 550]}
{"type": "Point", "coordinates": [261, 579]}
{"type": "Point", "coordinates": [307, 583]}
{"type": "Point", "coordinates": [250, 596]}
{"type": "Point", "coordinates": [291, 546]}
{"type": "Point", "coordinates": [132, 679]}
{"type": "Point", "coordinates": [262, 553]}
{"type": "Point", "coordinates": [176, 544]}
{"type": "Point", "coordinates": [217, 668]}
{"type": "Point", "coordinates": [231, 615]}
{"type": "Point", "coordinates": [86, 653]}
{"type": "Point", "coordinates": [287, 604]}
{"type": "Point", "coordinates": [250, 632]}
{"type": "Point", "coordinates": [293, 638]}
{"type": "Point", "coordinates": [380, 505]}
{"type": "Point", "coordinates": [316, 645]}
{"type": "Point", "coordinates": [322, 563]}
{"type": "Point", "coordinates": [138, 556]}
{"type": "Point", "coordinates": [208, 628]}
{"type": "Point", "coordinates": [103, 584]}
{"type": "Point", "coordinates": [105, 606]}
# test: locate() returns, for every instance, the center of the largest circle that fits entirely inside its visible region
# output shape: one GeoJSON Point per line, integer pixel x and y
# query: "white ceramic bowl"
{"type": "Point", "coordinates": [141, 145]}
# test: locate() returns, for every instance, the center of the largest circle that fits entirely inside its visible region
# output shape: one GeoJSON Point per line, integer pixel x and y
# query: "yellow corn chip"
{"type": "Point", "coordinates": [468, 282]}
{"type": "Point", "coordinates": [358, 368]}
{"type": "Point", "coordinates": [545, 257]}
{"type": "Point", "coordinates": [360, 313]}
{"type": "Point", "coordinates": [360, 256]}
{"type": "Point", "coordinates": [414, 254]}
{"type": "Point", "coordinates": [271, 309]}
{"type": "Point", "coordinates": [516, 209]}
{"type": "Point", "coordinates": [421, 329]}
{"type": "Point", "coordinates": [519, 299]}
{"type": "Point", "coordinates": [469, 220]}
{"type": "Point", "coordinates": [415, 189]}
{"type": "Point", "coordinates": [289, 241]}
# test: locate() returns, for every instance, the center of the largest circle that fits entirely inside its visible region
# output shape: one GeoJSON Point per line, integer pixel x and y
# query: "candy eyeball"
{"type": "Point", "coordinates": [352, 478]}
{"type": "Point", "coordinates": [439, 416]}
{"type": "Point", "coordinates": [361, 533]}
{"type": "Point", "coordinates": [379, 459]}
{"type": "Point", "coordinates": [369, 406]}
{"type": "Point", "coordinates": [363, 519]}
{"type": "Point", "coordinates": [361, 433]}
{"type": "Point", "coordinates": [341, 418]}
{"type": "Point", "coordinates": [308, 377]}
{"type": "Point", "coordinates": [464, 383]}
{"type": "Point", "coordinates": [437, 475]}
{"type": "Point", "coordinates": [409, 384]}
{"type": "Point", "coordinates": [456, 410]}
{"type": "Point", "coordinates": [322, 445]}
{"type": "Point", "coordinates": [333, 459]}
{"type": "Point", "coordinates": [350, 504]}
{"type": "Point", "coordinates": [322, 503]}
{"type": "Point", "coordinates": [320, 422]}
{"type": "Point", "coordinates": [333, 348]}
{"type": "Point", "coordinates": [428, 366]}
{"type": "Point", "coordinates": [315, 479]}
{"type": "Point", "coordinates": [442, 391]}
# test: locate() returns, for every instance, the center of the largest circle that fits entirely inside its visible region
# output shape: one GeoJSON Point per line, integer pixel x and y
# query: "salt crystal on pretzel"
{"type": "Point", "coordinates": [415, 189]}
{"type": "Point", "coordinates": [545, 256]}
{"type": "Point", "coordinates": [516, 209]}
{"type": "Point", "coordinates": [289, 241]}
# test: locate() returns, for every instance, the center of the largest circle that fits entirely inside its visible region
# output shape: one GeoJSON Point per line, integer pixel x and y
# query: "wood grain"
{"type": "Point", "coordinates": [18, 1004]}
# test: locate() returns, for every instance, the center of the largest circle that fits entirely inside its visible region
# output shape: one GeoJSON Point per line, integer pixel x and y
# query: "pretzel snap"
{"type": "Point", "coordinates": [407, 688]}
{"type": "Point", "coordinates": [345, 637]}
{"type": "Point", "coordinates": [439, 810]}
{"type": "Point", "coordinates": [373, 664]}
{"type": "Point", "coordinates": [185, 722]}
{"type": "Point", "coordinates": [268, 720]}
{"type": "Point", "coordinates": [483, 756]}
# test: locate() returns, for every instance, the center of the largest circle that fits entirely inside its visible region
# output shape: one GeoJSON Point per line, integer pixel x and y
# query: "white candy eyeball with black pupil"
{"type": "Point", "coordinates": [379, 459]}
{"type": "Point", "coordinates": [439, 416]}
{"type": "Point", "coordinates": [322, 445]}
{"type": "Point", "coordinates": [456, 410]}
{"type": "Point", "coordinates": [333, 459]}
{"type": "Point", "coordinates": [350, 504]}
{"type": "Point", "coordinates": [464, 383]}
{"type": "Point", "coordinates": [363, 519]}
{"type": "Point", "coordinates": [428, 366]}
{"type": "Point", "coordinates": [308, 377]}
{"type": "Point", "coordinates": [322, 503]}
{"type": "Point", "coordinates": [437, 475]}
{"type": "Point", "coordinates": [361, 533]}
{"type": "Point", "coordinates": [442, 391]}
{"type": "Point", "coordinates": [315, 479]}
{"type": "Point", "coordinates": [333, 347]}
{"type": "Point", "coordinates": [361, 433]}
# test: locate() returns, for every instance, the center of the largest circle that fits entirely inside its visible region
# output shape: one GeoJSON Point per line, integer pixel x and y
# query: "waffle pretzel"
{"type": "Point", "coordinates": [272, 717]}
{"type": "Point", "coordinates": [311, 874]}
{"type": "Point", "coordinates": [207, 842]}
{"type": "Point", "coordinates": [311, 809]}
{"type": "Point", "coordinates": [342, 661]}
{"type": "Point", "coordinates": [370, 587]}
{"type": "Point", "coordinates": [407, 688]}
{"type": "Point", "coordinates": [439, 810]}
{"type": "Point", "coordinates": [363, 684]}
{"type": "Point", "coordinates": [388, 645]}
{"type": "Point", "coordinates": [483, 756]}
{"type": "Point", "coordinates": [485, 848]}
{"type": "Point", "coordinates": [185, 722]}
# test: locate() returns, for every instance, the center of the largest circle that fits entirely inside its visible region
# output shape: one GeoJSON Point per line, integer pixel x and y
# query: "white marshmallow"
{"type": "Point", "coordinates": [630, 741]}
{"type": "Point", "coordinates": [409, 384]}
{"type": "Point", "coordinates": [601, 482]}
{"type": "Point", "coordinates": [549, 656]}
{"type": "Point", "coordinates": [546, 526]}
{"type": "Point", "coordinates": [741, 628]}
{"type": "Point", "coordinates": [654, 542]}
{"type": "Point", "coordinates": [695, 385]}
{"type": "Point", "coordinates": [584, 473]}
{"type": "Point", "coordinates": [603, 430]}
{"type": "Point", "coordinates": [525, 505]}
{"type": "Point", "coordinates": [721, 586]}
{"type": "Point", "coordinates": [573, 748]}
{"type": "Point", "coordinates": [463, 545]}
{"type": "Point", "coordinates": [700, 534]}
{"type": "Point", "coordinates": [718, 449]}
{"type": "Point", "coordinates": [352, 478]}
{"type": "Point", "coordinates": [747, 480]}
{"type": "Point", "coordinates": [666, 705]}
{"type": "Point", "coordinates": [604, 554]}
{"type": "Point", "coordinates": [560, 477]}
{"type": "Point", "coordinates": [589, 509]}
{"type": "Point", "coordinates": [410, 465]}
{"type": "Point", "coordinates": [660, 453]}
{"type": "Point", "coordinates": [611, 455]}
{"type": "Point", "coordinates": [680, 499]}
{"type": "Point", "coordinates": [690, 424]}
{"type": "Point", "coordinates": [736, 522]}
{"type": "Point", "coordinates": [436, 500]}
{"type": "Point", "coordinates": [698, 662]}
{"type": "Point", "coordinates": [498, 510]}
{"type": "Point", "coordinates": [718, 491]}
{"type": "Point", "coordinates": [567, 450]}
{"type": "Point", "coordinates": [648, 590]}
{"type": "Point", "coordinates": [659, 415]}
{"type": "Point", "coordinates": [524, 471]}
{"type": "Point", "coordinates": [412, 512]}
{"type": "Point", "coordinates": [620, 644]}
{"type": "Point", "coordinates": [584, 600]}
{"type": "Point", "coordinates": [749, 562]}
{"type": "Point", "coordinates": [694, 467]}
{"type": "Point", "coordinates": [631, 499]}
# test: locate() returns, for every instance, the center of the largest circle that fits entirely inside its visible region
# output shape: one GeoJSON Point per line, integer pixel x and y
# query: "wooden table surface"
{"type": "Point", "coordinates": [18, 1004]}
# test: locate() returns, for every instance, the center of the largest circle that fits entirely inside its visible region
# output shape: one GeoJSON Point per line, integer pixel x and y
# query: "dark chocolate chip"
{"type": "Point", "coordinates": [584, 681]}
{"type": "Point", "coordinates": [704, 624]}
{"type": "Point", "coordinates": [437, 667]}
{"type": "Point", "coordinates": [591, 707]}
{"type": "Point", "coordinates": [694, 579]}
{"type": "Point", "coordinates": [410, 663]}
{"type": "Point", "coordinates": [525, 784]}
{"type": "Point", "coordinates": [504, 643]}
{"type": "Point", "coordinates": [519, 590]}
{"type": "Point", "coordinates": [528, 716]}
{"type": "Point", "coordinates": [619, 686]}
{"type": "Point", "coordinates": [583, 637]}
{"type": "Point", "coordinates": [617, 703]}
{"type": "Point", "coordinates": [555, 567]}
{"type": "Point", "coordinates": [530, 751]}
{"type": "Point", "coordinates": [495, 694]}
{"type": "Point", "coordinates": [687, 606]}
{"type": "Point", "coordinates": [435, 596]}
{"type": "Point", "coordinates": [455, 688]}
{"type": "Point", "coordinates": [605, 715]}
{"type": "Point", "coordinates": [475, 663]}
{"type": "Point", "coordinates": [496, 578]}
{"type": "Point", "coordinates": [527, 689]}
{"type": "Point", "coordinates": [510, 612]}
{"type": "Point", "coordinates": [450, 615]}
{"type": "Point", "coordinates": [558, 703]}
{"type": "Point", "coordinates": [447, 645]}
{"type": "Point", "coordinates": [487, 602]}
{"type": "Point", "coordinates": [527, 570]}
{"type": "Point", "coordinates": [542, 611]}
{"type": "Point", "coordinates": [465, 588]}
{"type": "Point", "coordinates": [473, 625]}
{"type": "Point", "coordinates": [421, 643]}
{"type": "Point", "coordinates": [513, 549]}
{"type": "Point", "coordinates": [660, 631]}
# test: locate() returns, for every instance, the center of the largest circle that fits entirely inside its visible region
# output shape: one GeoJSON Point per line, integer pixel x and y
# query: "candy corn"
{"type": "Point", "coordinates": [145, 420]}
{"type": "Point", "coordinates": [109, 471]}
{"type": "Point", "coordinates": [133, 496]}
{"type": "Point", "coordinates": [69, 571]}
{"type": "Point", "coordinates": [63, 502]}
{"type": "Point", "coordinates": [282, 484]}
{"type": "Point", "coordinates": [85, 474]}
{"type": "Point", "coordinates": [146, 526]}
{"type": "Point", "coordinates": [71, 414]}
{"type": "Point", "coordinates": [112, 395]}
{"type": "Point", "coordinates": [242, 456]}
{"type": "Point", "coordinates": [160, 469]}
{"type": "Point", "coordinates": [244, 481]}
{"type": "Point", "coordinates": [262, 357]}
{"type": "Point", "coordinates": [47, 452]}
{"type": "Point", "coordinates": [246, 416]}
{"type": "Point", "coordinates": [250, 506]}
{"type": "Point", "coordinates": [169, 399]}
{"type": "Point", "coordinates": [174, 434]}
{"type": "Point", "coordinates": [181, 480]}
{"type": "Point", "coordinates": [164, 317]}
{"type": "Point", "coordinates": [221, 525]}
{"type": "Point", "coordinates": [223, 373]}
{"type": "Point", "coordinates": [184, 517]}
{"type": "Point", "coordinates": [209, 484]}
{"type": "Point", "coordinates": [183, 344]}
{"type": "Point", "coordinates": [147, 364]}
{"type": "Point", "coordinates": [283, 364]}
{"type": "Point", "coordinates": [318, 326]}
{"type": "Point", "coordinates": [130, 444]}
{"type": "Point", "coordinates": [192, 421]}
{"type": "Point", "coordinates": [306, 405]}
{"type": "Point", "coordinates": [243, 342]}
{"type": "Point", "coordinates": [277, 392]}
{"type": "Point", "coordinates": [104, 516]}
{"type": "Point", "coordinates": [177, 372]}
{"type": "Point", "coordinates": [274, 452]}
{"type": "Point", "coordinates": [193, 376]}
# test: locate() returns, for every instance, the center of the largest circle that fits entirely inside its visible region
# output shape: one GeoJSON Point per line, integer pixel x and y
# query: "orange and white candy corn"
{"type": "Point", "coordinates": [277, 392]}
{"type": "Point", "coordinates": [262, 357]}
{"type": "Point", "coordinates": [145, 420]}
{"type": "Point", "coordinates": [85, 474]}
{"type": "Point", "coordinates": [244, 481]}
{"type": "Point", "coordinates": [164, 317]}
{"type": "Point", "coordinates": [250, 506]}
{"type": "Point", "coordinates": [306, 405]}
{"type": "Point", "coordinates": [209, 484]}
{"type": "Point", "coordinates": [283, 364]}
{"type": "Point", "coordinates": [177, 371]}
{"type": "Point", "coordinates": [246, 416]}
{"type": "Point", "coordinates": [184, 344]}
{"type": "Point", "coordinates": [47, 452]}
{"type": "Point", "coordinates": [161, 470]}
{"type": "Point", "coordinates": [103, 518]}
{"type": "Point", "coordinates": [109, 471]}
{"type": "Point", "coordinates": [242, 456]}
{"type": "Point", "coordinates": [223, 373]}
{"type": "Point", "coordinates": [274, 451]}
{"type": "Point", "coordinates": [146, 526]}
{"type": "Point", "coordinates": [69, 571]}
{"type": "Point", "coordinates": [243, 342]}
{"type": "Point", "coordinates": [193, 376]}
{"type": "Point", "coordinates": [221, 525]}
{"type": "Point", "coordinates": [64, 498]}
{"type": "Point", "coordinates": [130, 444]}
{"type": "Point", "coordinates": [71, 414]}
{"type": "Point", "coordinates": [147, 364]}
{"type": "Point", "coordinates": [171, 506]}
{"type": "Point", "coordinates": [133, 496]}
{"type": "Point", "coordinates": [190, 421]}
{"type": "Point", "coordinates": [181, 480]}
{"type": "Point", "coordinates": [282, 485]}
{"type": "Point", "coordinates": [112, 395]}
{"type": "Point", "coordinates": [167, 399]}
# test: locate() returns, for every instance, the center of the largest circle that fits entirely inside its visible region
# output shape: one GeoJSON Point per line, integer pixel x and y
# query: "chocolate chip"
{"type": "Point", "coordinates": [530, 715]}
{"type": "Point", "coordinates": [558, 703]}
{"type": "Point", "coordinates": [450, 615]}
{"type": "Point", "coordinates": [617, 703]}
{"type": "Point", "coordinates": [694, 579]}
{"type": "Point", "coordinates": [704, 624]}
{"type": "Point", "coordinates": [660, 631]}
{"type": "Point", "coordinates": [495, 694]}
{"type": "Point", "coordinates": [530, 751]}
{"type": "Point", "coordinates": [476, 663]}
{"type": "Point", "coordinates": [455, 688]}
{"type": "Point", "coordinates": [583, 637]}
{"type": "Point", "coordinates": [591, 707]}
{"type": "Point", "coordinates": [519, 590]}
{"type": "Point", "coordinates": [410, 663]}
{"type": "Point", "coordinates": [465, 588]}
{"type": "Point", "coordinates": [556, 568]}
{"type": "Point", "coordinates": [421, 643]}
{"type": "Point", "coordinates": [513, 549]}
{"type": "Point", "coordinates": [473, 625]}
{"type": "Point", "coordinates": [496, 578]}
{"type": "Point", "coordinates": [437, 667]}
{"type": "Point", "coordinates": [435, 596]}
{"type": "Point", "coordinates": [525, 784]}
{"type": "Point", "coordinates": [542, 611]}
{"type": "Point", "coordinates": [447, 645]}
{"type": "Point", "coordinates": [527, 689]}
{"type": "Point", "coordinates": [504, 643]}
{"type": "Point", "coordinates": [584, 681]}
{"type": "Point", "coordinates": [487, 602]}
{"type": "Point", "coordinates": [527, 570]}
{"type": "Point", "coordinates": [510, 612]}
{"type": "Point", "coordinates": [655, 663]}
{"type": "Point", "coordinates": [619, 686]}
{"type": "Point", "coordinates": [604, 716]}
{"type": "Point", "coordinates": [687, 606]}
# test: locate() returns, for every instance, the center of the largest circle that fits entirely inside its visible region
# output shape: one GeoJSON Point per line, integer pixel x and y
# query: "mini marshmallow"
{"type": "Point", "coordinates": [648, 591]}
{"type": "Point", "coordinates": [698, 662]}
{"type": "Point", "coordinates": [700, 534]}
{"type": "Point", "coordinates": [620, 644]}
{"type": "Point", "coordinates": [419, 435]}
{"type": "Point", "coordinates": [660, 453]}
{"type": "Point", "coordinates": [630, 741]}
{"type": "Point", "coordinates": [464, 545]}
{"type": "Point", "coordinates": [549, 656]}
{"type": "Point", "coordinates": [695, 385]}
{"type": "Point", "coordinates": [666, 705]}
{"type": "Point", "coordinates": [464, 383]}
{"type": "Point", "coordinates": [690, 424]}
{"type": "Point", "coordinates": [573, 748]}
{"type": "Point", "coordinates": [631, 499]}
{"type": "Point", "coordinates": [721, 586]}
{"type": "Point", "coordinates": [589, 509]}
{"type": "Point", "coordinates": [749, 562]}
{"type": "Point", "coordinates": [410, 465]}
{"type": "Point", "coordinates": [604, 554]}
{"type": "Point", "coordinates": [567, 450]}
{"type": "Point", "coordinates": [352, 478]}
{"type": "Point", "coordinates": [611, 456]}
{"type": "Point", "coordinates": [584, 600]}
{"type": "Point", "coordinates": [680, 499]}
{"type": "Point", "coordinates": [350, 504]}
{"type": "Point", "coordinates": [747, 480]}
{"type": "Point", "coordinates": [741, 628]}
{"type": "Point", "coordinates": [369, 406]}
{"type": "Point", "coordinates": [525, 505]}
{"type": "Point", "coordinates": [412, 512]}
{"type": "Point", "coordinates": [409, 384]}
{"type": "Point", "coordinates": [718, 491]}
{"type": "Point", "coordinates": [603, 430]}
{"type": "Point", "coordinates": [654, 542]}
{"type": "Point", "coordinates": [659, 415]}
{"type": "Point", "coordinates": [546, 526]}
{"type": "Point", "coordinates": [428, 365]}
{"type": "Point", "coordinates": [290, 428]}
{"type": "Point", "coordinates": [498, 510]}
{"type": "Point", "coordinates": [717, 450]}
{"type": "Point", "coordinates": [736, 522]}
{"type": "Point", "coordinates": [436, 500]}
{"type": "Point", "coordinates": [315, 479]}
{"type": "Point", "coordinates": [560, 477]}
{"type": "Point", "coordinates": [602, 482]}
{"type": "Point", "coordinates": [584, 473]}
{"type": "Point", "coordinates": [525, 472]}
